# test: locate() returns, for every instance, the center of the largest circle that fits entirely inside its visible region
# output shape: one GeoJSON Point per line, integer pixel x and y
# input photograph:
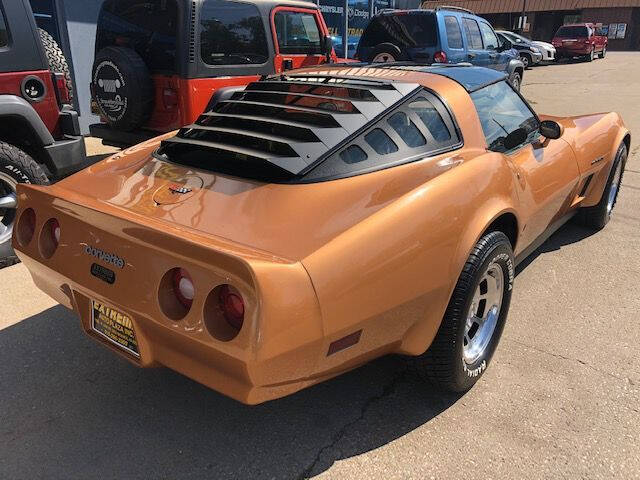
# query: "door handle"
{"type": "Point", "coordinates": [471, 56]}
{"type": "Point", "coordinates": [492, 55]}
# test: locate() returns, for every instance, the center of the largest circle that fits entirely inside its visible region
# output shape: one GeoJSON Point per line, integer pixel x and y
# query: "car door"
{"type": "Point", "coordinates": [545, 171]}
{"type": "Point", "coordinates": [476, 54]}
{"type": "Point", "coordinates": [297, 37]}
{"type": "Point", "coordinates": [491, 46]}
{"type": "Point", "coordinates": [453, 35]}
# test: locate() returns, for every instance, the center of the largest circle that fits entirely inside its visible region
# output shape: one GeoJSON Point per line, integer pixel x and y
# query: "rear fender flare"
{"type": "Point", "coordinates": [14, 106]}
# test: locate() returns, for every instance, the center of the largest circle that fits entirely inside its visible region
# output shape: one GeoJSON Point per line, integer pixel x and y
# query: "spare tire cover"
{"type": "Point", "coordinates": [122, 87]}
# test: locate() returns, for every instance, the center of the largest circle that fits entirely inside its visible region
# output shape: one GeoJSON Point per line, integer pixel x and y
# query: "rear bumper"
{"type": "Point", "coordinates": [68, 155]}
{"type": "Point", "coordinates": [117, 138]}
{"type": "Point", "coordinates": [573, 51]}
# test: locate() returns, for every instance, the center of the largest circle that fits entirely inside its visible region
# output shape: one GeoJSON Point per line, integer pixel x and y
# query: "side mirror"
{"type": "Point", "coordinates": [327, 48]}
{"type": "Point", "coordinates": [550, 129]}
{"type": "Point", "coordinates": [506, 45]}
{"type": "Point", "coordinates": [515, 138]}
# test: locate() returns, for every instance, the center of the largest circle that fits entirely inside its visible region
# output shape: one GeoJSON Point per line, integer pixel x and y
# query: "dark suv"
{"type": "Point", "coordinates": [40, 139]}
{"type": "Point", "coordinates": [443, 35]}
{"type": "Point", "coordinates": [158, 62]}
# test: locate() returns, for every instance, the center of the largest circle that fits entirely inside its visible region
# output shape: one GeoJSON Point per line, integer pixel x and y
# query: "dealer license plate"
{"type": "Point", "coordinates": [115, 326]}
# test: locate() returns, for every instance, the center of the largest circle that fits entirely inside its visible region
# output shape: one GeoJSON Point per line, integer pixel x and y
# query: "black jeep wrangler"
{"type": "Point", "coordinates": [40, 140]}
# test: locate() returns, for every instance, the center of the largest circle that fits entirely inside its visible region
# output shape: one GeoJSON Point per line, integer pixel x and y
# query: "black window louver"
{"type": "Point", "coordinates": [283, 125]}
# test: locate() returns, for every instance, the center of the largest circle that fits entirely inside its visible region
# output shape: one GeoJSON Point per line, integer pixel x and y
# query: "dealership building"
{"type": "Point", "coordinates": [619, 18]}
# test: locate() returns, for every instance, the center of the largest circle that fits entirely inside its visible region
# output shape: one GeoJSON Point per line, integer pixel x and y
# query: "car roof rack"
{"type": "Point", "coordinates": [288, 122]}
{"type": "Point", "coordinates": [454, 8]}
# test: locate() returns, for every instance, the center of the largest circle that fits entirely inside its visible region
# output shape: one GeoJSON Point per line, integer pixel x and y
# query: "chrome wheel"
{"type": "Point", "coordinates": [8, 202]}
{"type": "Point", "coordinates": [483, 314]}
{"type": "Point", "coordinates": [383, 58]}
{"type": "Point", "coordinates": [615, 186]}
{"type": "Point", "coordinates": [525, 60]}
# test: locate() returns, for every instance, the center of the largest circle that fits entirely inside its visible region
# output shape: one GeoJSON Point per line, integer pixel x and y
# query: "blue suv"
{"type": "Point", "coordinates": [443, 35]}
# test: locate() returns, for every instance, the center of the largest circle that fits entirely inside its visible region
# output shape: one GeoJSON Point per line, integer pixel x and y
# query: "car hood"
{"type": "Point", "coordinates": [543, 44]}
{"type": "Point", "coordinates": [288, 220]}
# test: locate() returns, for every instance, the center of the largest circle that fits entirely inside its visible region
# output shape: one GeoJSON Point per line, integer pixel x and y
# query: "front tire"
{"type": "Point", "coordinates": [474, 319]}
{"type": "Point", "coordinates": [598, 216]}
{"type": "Point", "coordinates": [526, 60]}
{"type": "Point", "coordinates": [515, 81]}
{"type": "Point", "coordinates": [16, 167]}
{"type": "Point", "coordinates": [592, 55]}
{"type": "Point", "coordinates": [603, 52]}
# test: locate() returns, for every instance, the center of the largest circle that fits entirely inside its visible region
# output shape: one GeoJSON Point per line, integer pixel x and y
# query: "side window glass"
{"type": "Point", "coordinates": [380, 142]}
{"type": "Point", "coordinates": [4, 34]}
{"type": "Point", "coordinates": [501, 111]}
{"type": "Point", "coordinates": [454, 34]}
{"type": "Point", "coordinates": [232, 33]}
{"type": "Point", "coordinates": [297, 32]}
{"type": "Point", "coordinates": [353, 154]}
{"type": "Point", "coordinates": [406, 129]}
{"type": "Point", "coordinates": [472, 32]}
{"type": "Point", "coordinates": [431, 119]}
{"type": "Point", "coordinates": [489, 37]}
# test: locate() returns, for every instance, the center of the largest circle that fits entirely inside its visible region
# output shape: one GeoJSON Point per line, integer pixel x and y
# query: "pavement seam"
{"type": "Point", "coordinates": [387, 390]}
{"type": "Point", "coordinates": [577, 360]}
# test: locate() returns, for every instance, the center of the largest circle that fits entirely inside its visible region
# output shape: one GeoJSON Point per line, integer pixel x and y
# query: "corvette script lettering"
{"type": "Point", "coordinates": [104, 256]}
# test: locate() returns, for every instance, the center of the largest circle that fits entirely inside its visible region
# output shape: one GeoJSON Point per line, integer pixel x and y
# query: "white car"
{"type": "Point", "coordinates": [548, 51]}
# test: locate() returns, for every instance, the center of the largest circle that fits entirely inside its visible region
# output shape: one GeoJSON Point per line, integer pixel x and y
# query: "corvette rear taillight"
{"type": "Point", "coordinates": [440, 57]}
{"type": "Point", "coordinates": [26, 227]}
{"type": "Point", "coordinates": [232, 306]}
{"type": "Point", "coordinates": [183, 287]}
{"type": "Point", "coordinates": [49, 238]}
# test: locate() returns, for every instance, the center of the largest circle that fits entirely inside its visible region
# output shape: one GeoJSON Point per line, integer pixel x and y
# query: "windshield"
{"type": "Point", "coordinates": [572, 32]}
{"type": "Point", "coordinates": [232, 33]}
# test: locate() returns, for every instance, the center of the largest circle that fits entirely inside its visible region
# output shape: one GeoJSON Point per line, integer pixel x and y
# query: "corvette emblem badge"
{"type": "Point", "coordinates": [178, 189]}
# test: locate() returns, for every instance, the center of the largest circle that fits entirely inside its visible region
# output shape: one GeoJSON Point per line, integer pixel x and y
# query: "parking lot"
{"type": "Point", "coordinates": [561, 399]}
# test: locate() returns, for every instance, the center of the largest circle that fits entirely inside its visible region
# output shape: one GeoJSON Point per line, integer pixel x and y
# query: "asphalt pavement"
{"type": "Point", "coordinates": [560, 400]}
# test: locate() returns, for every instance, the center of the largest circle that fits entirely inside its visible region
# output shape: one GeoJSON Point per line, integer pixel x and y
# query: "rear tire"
{"type": "Point", "coordinates": [598, 216]}
{"type": "Point", "coordinates": [526, 60]}
{"type": "Point", "coordinates": [16, 166]}
{"type": "Point", "coordinates": [57, 61]}
{"type": "Point", "coordinates": [592, 55]}
{"type": "Point", "coordinates": [385, 52]}
{"type": "Point", "coordinates": [465, 343]}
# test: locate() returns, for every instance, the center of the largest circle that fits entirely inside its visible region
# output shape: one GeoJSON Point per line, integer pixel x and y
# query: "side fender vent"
{"type": "Point", "coordinates": [586, 184]}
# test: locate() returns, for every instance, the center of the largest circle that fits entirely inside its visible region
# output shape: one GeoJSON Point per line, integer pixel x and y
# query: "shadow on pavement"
{"type": "Point", "coordinates": [69, 408]}
{"type": "Point", "coordinates": [569, 233]}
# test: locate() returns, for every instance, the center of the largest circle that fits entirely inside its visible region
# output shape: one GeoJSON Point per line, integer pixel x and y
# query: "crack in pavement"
{"type": "Point", "coordinates": [387, 390]}
{"type": "Point", "coordinates": [577, 360]}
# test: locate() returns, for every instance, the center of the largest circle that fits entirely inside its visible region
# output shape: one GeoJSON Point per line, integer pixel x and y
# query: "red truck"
{"type": "Point", "coordinates": [579, 40]}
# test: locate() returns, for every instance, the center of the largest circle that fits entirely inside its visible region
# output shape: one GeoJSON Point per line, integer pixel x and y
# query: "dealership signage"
{"type": "Point", "coordinates": [359, 13]}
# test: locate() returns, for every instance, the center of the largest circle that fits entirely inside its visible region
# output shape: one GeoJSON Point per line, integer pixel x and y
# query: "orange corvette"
{"type": "Point", "coordinates": [317, 220]}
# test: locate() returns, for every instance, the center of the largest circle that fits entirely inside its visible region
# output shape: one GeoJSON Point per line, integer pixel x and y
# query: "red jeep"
{"type": "Point", "coordinates": [579, 40]}
{"type": "Point", "coordinates": [40, 140]}
{"type": "Point", "coordinates": [158, 62]}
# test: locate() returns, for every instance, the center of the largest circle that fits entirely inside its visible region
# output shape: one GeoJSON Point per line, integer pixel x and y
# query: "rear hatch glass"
{"type": "Point", "coordinates": [572, 32]}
